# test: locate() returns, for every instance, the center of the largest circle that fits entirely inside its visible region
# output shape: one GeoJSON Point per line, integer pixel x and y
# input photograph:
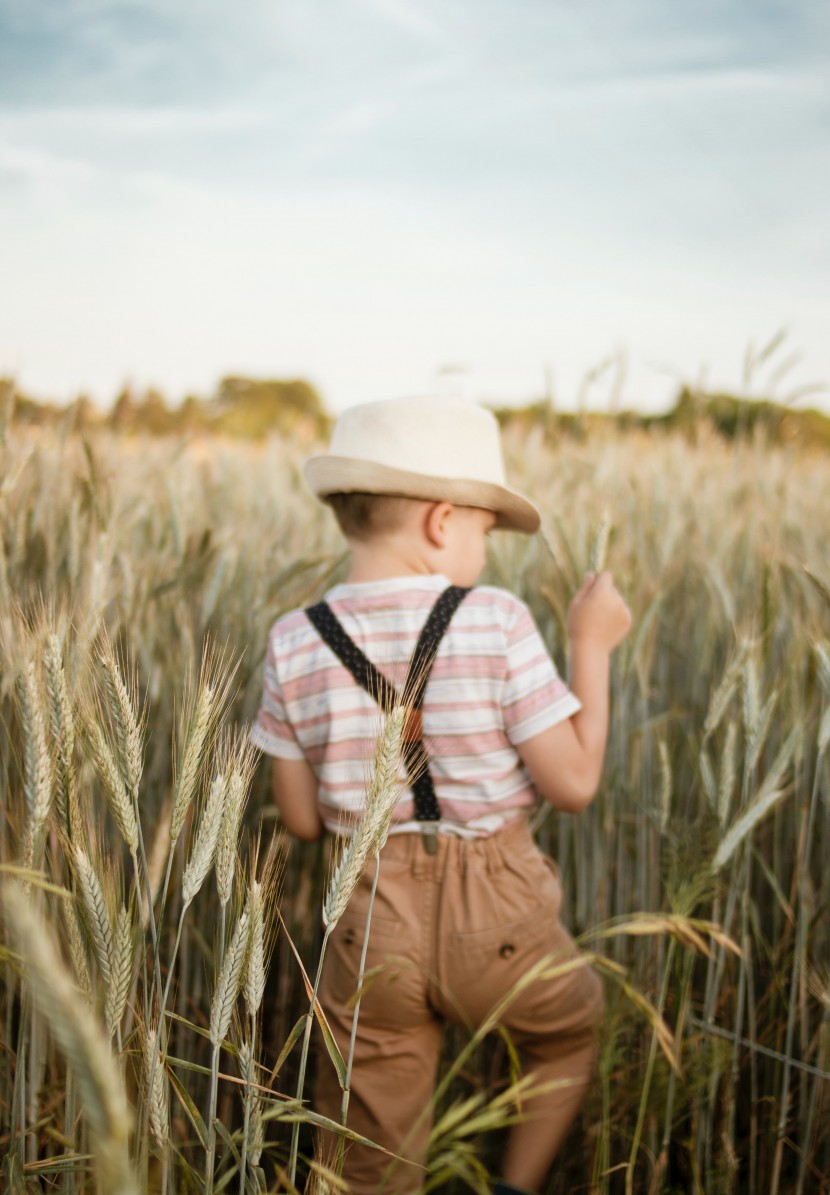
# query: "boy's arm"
{"type": "Point", "coordinates": [294, 786]}
{"type": "Point", "coordinates": [565, 762]}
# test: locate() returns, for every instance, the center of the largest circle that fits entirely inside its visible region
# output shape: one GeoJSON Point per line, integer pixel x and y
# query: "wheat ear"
{"type": "Point", "coordinates": [241, 760]}
{"type": "Point", "coordinates": [95, 912]}
{"type": "Point", "coordinates": [76, 947]}
{"type": "Point", "coordinates": [197, 735]}
{"type": "Point", "coordinates": [228, 837]}
{"type": "Point", "coordinates": [254, 983]}
{"type": "Point", "coordinates": [230, 980]}
{"type": "Point", "coordinates": [368, 838]}
{"type": "Point", "coordinates": [128, 733]}
{"type": "Point", "coordinates": [723, 693]}
{"type": "Point", "coordinates": [63, 732]}
{"type": "Point", "coordinates": [203, 851]}
{"type": "Point", "coordinates": [373, 828]}
{"type": "Point", "coordinates": [726, 776]}
{"type": "Point", "coordinates": [156, 1089]}
{"type": "Point", "coordinates": [121, 970]}
{"type": "Point", "coordinates": [256, 1133]}
{"type": "Point", "coordinates": [122, 806]}
{"type": "Point", "coordinates": [37, 771]}
{"type": "Point", "coordinates": [766, 797]}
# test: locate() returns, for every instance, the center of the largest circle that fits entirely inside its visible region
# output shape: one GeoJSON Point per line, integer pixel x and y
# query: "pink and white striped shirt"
{"type": "Point", "coordinates": [493, 685]}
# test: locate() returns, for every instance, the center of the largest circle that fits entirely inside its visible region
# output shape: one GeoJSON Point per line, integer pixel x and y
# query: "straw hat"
{"type": "Point", "coordinates": [435, 448]}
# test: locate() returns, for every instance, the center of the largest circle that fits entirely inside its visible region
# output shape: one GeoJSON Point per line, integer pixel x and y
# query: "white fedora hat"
{"type": "Point", "coordinates": [434, 448]}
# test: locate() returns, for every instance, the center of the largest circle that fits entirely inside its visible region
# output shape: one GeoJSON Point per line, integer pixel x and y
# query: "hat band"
{"type": "Point", "coordinates": [334, 475]}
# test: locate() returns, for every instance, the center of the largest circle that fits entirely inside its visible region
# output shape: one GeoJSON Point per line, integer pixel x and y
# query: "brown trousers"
{"type": "Point", "coordinates": [451, 934]}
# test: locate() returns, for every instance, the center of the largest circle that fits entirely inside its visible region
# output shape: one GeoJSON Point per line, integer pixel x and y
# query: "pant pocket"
{"type": "Point", "coordinates": [486, 965]}
{"type": "Point", "coordinates": [383, 969]}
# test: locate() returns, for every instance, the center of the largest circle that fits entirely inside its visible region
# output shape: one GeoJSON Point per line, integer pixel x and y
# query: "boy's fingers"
{"type": "Point", "coordinates": [587, 584]}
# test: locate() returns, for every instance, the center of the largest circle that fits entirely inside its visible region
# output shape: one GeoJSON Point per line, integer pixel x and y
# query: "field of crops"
{"type": "Point", "coordinates": [160, 1050]}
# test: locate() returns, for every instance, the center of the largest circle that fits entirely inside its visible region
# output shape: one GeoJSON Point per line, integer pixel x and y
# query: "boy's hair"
{"type": "Point", "coordinates": [362, 516]}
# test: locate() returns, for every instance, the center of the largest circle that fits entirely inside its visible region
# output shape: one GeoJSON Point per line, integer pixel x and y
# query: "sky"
{"type": "Point", "coordinates": [595, 199]}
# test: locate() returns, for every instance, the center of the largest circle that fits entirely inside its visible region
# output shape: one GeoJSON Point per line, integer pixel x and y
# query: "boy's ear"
{"type": "Point", "coordinates": [436, 523]}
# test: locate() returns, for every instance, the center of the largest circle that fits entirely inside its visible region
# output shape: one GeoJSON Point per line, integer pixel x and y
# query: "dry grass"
{"type": "Point", "coordinates": [122, 562]}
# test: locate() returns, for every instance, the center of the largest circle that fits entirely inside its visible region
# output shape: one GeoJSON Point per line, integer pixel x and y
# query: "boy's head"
{"type": "Point", "coordinates": [405, 469]}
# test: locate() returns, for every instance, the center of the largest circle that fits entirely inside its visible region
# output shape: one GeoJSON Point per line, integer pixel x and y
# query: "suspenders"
{"type": "Point", "coordinates": [385, 694]}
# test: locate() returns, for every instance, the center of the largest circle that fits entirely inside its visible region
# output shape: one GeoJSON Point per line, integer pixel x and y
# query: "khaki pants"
{"type": "Point", "coordinates": [451, 934]}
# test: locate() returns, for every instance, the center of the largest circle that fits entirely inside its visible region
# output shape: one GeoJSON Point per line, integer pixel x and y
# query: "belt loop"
{"type": "Point", "coordinates": [492, 845]}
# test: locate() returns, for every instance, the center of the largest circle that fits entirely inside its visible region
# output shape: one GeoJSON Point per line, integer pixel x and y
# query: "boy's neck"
{"type": "Point", "coordinates": [381, 562]}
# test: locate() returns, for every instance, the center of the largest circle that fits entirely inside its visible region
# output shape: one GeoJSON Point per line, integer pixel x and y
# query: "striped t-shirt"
{"type": "Point", "coordinates": [492, 685]}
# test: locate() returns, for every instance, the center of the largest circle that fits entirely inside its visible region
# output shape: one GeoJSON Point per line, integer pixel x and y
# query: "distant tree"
{"type": "Point", "coordinates": [191, 416]}
{"type": "Point", "coordinates": [124, 412]}
{"type": "Point", "coordinates": [155, 416]}
{"type": "Point", "coordinates": [258, 407]}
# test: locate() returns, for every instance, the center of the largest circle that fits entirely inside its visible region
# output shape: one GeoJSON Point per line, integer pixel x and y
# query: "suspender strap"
{"type": "Point", "coordinates": [428, 643]}
{"type": "Point", "coordinates": [349, 654]}
{"type": "Point", "coordinates": [384, 693]}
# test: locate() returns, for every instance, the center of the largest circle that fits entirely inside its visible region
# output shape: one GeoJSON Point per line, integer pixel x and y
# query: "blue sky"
{"type": "Point", "coordinates": [386, 196]}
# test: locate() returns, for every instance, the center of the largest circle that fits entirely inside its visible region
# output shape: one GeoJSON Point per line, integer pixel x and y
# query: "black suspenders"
{"type": "Point", "coordinates": [385, 694]}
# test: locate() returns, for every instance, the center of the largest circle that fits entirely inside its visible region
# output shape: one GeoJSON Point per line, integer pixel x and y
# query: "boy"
{"type": "Point", "coordinates": [466, 902]}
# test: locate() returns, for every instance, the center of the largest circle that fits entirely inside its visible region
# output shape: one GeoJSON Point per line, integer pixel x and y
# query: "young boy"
{"type": "Point", "coordinates": [466, 902]}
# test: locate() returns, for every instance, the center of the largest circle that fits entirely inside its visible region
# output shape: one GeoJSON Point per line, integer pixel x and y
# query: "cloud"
{"type": "Point", "coordinates": [164, 120]}
{"type": "Point", "coordinates": [408, 17]}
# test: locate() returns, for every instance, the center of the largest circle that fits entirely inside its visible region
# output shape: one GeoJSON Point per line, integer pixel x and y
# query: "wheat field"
{"type": "Point", "coordinates": [160, 939]}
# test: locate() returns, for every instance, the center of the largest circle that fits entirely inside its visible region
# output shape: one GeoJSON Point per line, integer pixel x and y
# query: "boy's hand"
{"type": "Point", "coordinates": [597, 613]}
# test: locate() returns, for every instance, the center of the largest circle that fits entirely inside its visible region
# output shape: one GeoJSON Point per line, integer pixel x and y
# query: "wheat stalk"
{"type": "Point", "coordinates": [76, 1033]}
{"type": "Point", "coordinates": [665, 786]}
{"type": "Point", "coordinates": [368, 839]}
{"type": "Point", "coordinates": [246, 1067]}
{"type": "Point", "coordinates": [221, 1011]}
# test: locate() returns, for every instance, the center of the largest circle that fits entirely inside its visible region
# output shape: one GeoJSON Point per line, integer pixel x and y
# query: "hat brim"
{"type": "Point", "coordinates": [348, 475]}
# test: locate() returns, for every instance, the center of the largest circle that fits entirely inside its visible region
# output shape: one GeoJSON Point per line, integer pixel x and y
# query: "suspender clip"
{"type": "Point", "coordinates": [429, 837]}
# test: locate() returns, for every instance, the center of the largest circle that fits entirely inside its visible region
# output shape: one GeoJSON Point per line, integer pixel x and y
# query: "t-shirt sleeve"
{"type": "Point", "coordinates": [534, 696]}
{"type": "Point", "coordinates": [272, 732]}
